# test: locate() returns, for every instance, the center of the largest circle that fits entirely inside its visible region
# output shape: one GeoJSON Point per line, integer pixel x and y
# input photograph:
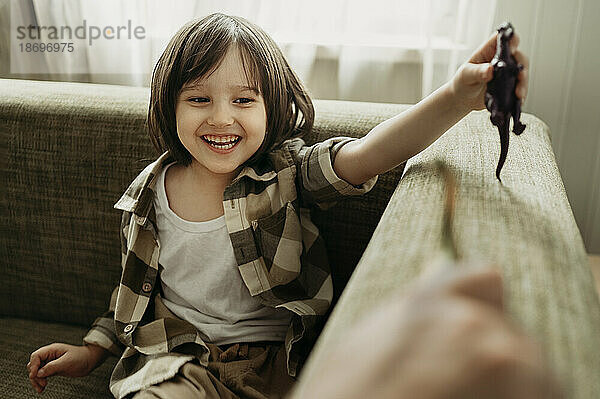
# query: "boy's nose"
{"type": "Point", "coordinates": [220, 117]}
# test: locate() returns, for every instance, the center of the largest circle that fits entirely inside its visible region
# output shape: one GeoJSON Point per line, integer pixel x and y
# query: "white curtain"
{"type": "Point", "coordinates": [381, 50]}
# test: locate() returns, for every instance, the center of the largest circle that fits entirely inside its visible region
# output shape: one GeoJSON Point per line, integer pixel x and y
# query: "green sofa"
{"type": "Point", "coordinates": [69, 150]}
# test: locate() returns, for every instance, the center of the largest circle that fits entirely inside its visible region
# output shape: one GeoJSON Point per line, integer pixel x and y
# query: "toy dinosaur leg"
{"type": "Point", "coordinates": [489, 102]}
{"type": "Point", "coordinates": [518, 127]}
{"type": "Point", "coordinates": [495, 117]}
{"type": "Point", "coordinates": [503, 129]}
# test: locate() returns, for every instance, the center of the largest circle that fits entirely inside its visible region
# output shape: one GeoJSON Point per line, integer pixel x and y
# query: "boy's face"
{"type": "Point", "coordinates": [221, 108]}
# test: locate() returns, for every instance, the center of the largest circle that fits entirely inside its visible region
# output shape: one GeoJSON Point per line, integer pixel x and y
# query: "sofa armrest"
{"type": "Point", "coordinates": [523, 225]}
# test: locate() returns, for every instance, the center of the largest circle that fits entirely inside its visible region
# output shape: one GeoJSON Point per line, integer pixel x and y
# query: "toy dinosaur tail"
{"type": "Point", "coordinates": [504, 133]}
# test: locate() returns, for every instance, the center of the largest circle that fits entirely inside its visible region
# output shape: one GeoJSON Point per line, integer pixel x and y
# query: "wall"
{"type": "Point", "coordinates": [561, 40]}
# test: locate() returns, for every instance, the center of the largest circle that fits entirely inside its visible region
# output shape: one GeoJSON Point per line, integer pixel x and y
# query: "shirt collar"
{"type": "Point", "coordinates": [139, 195]}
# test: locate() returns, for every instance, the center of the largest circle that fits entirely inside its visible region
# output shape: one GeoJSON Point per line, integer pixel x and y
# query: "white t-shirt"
{"type": "Point", "coordinates": [201, 282]}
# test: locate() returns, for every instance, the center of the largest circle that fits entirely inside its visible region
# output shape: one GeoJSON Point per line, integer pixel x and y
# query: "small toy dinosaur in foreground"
{"type": "Point", "coordinates": [500, 97]}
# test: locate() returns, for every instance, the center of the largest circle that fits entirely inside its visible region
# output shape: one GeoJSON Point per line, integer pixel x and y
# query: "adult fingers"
{"type": "Point", "coordinates": [481, 284]}
{"type": "Point", "coordinates": [466, 279]}
{"type": "Point", "coordinates": [523, 368]}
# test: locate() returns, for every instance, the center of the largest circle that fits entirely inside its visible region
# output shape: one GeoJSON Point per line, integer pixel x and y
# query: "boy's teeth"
{"type": "Point", "coordinates": [217, 139]}
{"type": "Point", "coordinates": [222, 146]}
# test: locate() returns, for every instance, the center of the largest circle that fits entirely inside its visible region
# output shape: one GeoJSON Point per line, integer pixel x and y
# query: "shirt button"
{"type": "Point", "coordinates": [128, 328]}
{"type": "Point", "coordinates": [147, 287]}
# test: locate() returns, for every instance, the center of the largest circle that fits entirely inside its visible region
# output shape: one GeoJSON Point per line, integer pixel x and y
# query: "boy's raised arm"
{"type": "Point", "coordinates": [397, 139]}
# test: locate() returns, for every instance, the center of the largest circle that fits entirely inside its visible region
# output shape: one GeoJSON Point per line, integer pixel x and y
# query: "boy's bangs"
{"type": "Point", "coordinates": [205, 65]}
{"type": "Point", "coordinates": [201, 66]}
{"type": "Point", "coordinates": [251, 69]}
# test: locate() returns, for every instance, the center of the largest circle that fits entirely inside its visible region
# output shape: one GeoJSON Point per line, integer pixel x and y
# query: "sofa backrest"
{"type": "Point", "coordinates": [69, 152]}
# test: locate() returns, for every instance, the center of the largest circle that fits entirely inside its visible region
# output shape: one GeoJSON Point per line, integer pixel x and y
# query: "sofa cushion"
{"type": "Point", "coordinates": [19, 338]}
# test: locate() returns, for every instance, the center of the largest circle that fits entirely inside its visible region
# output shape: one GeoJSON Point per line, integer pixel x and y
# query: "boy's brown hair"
{"type": "Point", "coordinates": [196, 50]}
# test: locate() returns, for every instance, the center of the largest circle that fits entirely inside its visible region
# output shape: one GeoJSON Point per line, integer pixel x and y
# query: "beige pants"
{"type": "Point", "coordinates": [254, 370]}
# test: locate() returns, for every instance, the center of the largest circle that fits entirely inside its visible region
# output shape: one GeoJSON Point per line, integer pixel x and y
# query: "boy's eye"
{"type": "Point", "coordinates": [199, 100]}
{"type": "Point", "coordinates": [244, 100]}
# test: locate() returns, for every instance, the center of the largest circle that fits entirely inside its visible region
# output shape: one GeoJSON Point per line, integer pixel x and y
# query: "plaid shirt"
{"type": "Point", "coordinates": [279, 251]}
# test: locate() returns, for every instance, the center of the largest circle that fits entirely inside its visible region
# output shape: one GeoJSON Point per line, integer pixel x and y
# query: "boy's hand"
{"type": "Point", "coordinates": [470, 81]}
{"type": "Point", "coordinates": [64, 360]}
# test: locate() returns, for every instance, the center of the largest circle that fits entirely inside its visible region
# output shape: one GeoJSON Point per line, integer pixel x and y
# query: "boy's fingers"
{"type": "Point", "coordinates": [39, 388]}
{"type": "Point", "coordinates": [55, 367]}
{"type": "Point", "coordinates": [42, 382]}
{"type": "Point", "coordinates": [47, 354]}
{"type": "Point", "coordinates": [35, 363]}
{"type": "Point", "coordinates": [34, 359]}
{"type": "Point", "coordinates": [523, 78]}
{"type": "Point", "coordinates": [34, 385]}
{"type": "Point", "coordinates": [477, 73]}
{"type": "Point", "coordinates": [514, 43]}
{"type": "Point", "coordinates": [486, 51]}
{"type": "Point", "coordinates": [521, 59]}
{"type": "Point", "coordinates": [32, 366]}
{"type": "Point", "coordinates": [486, 72]}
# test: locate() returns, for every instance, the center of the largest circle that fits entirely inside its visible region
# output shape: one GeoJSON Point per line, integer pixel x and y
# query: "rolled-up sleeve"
{"type": "Point", "coordinates": [103, 333]}
{"type": "Point", "coordinates": [318, 182]}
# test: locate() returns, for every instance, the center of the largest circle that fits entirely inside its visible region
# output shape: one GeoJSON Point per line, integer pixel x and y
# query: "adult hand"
{"type": "Point", "coordinates": [447, 338]}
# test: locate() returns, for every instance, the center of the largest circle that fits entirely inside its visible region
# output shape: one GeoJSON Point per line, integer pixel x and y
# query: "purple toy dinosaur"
{"type": "Point", "coordinates": [500, 97]}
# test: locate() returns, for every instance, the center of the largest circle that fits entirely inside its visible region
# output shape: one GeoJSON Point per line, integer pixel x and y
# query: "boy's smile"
{"type": "Point", "coordinates": [221, 144]}
{"type": "Point", "coordinates": [221, 121]}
